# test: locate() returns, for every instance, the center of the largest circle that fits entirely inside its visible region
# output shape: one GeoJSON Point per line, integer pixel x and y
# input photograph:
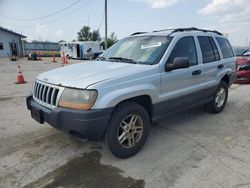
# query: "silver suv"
{"type": "Point", "coordinates": [139, 80]}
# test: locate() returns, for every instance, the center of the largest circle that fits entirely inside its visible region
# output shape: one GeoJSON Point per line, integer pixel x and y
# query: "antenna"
{"type": "Point", "coordinates": [106, 24]}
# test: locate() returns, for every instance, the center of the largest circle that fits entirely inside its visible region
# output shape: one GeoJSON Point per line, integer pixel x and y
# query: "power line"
{"type": "Point", "coordinates": [53, 20]}
{"type": "Point", "coordinates": [72, 12]}
{"type": "Point", "coordinates": [103, 16]}
{"type": "Point", "coordinates": [42, 17]}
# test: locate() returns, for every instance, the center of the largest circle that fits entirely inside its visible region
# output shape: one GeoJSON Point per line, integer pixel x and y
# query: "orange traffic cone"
{"type": "Point", "coordinates": [54, 59]}
{"type": "Point", "coordinates": [64, 60]}
{"type": "Point", "coordinates": [20, 78]}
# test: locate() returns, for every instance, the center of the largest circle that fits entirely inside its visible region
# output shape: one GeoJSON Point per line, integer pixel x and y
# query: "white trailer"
{"type": "Point", "coordinates": [67, 49]}
{"type": "Point", "coordinates": [81, 50]}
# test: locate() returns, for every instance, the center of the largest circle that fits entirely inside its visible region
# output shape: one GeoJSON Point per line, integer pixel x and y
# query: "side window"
{"type": "Point", "coordinates": [185, 47]}
{"type": "Point", "coordinates": [215, 49]}
{"type": "Point", "coordinates": [208, 49]}
{"type": "Point", "coordinates": [1, 46]}
{"type": "Point", "coordinates": [226, 48]}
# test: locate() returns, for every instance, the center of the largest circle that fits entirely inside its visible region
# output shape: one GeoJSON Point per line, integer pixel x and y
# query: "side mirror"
{"type": "Point", "coordinates": [179, 63]}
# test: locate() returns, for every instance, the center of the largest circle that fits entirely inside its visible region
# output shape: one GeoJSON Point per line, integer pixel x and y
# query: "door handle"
{"type": "Point", "coordinates": [197, 72]}
{"type": "Point", "coordinates": [220, 66]}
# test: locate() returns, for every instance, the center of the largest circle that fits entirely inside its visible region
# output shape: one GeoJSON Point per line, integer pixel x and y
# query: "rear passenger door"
{"type": "Point", "coordinates": [228, 59]}
{"type": "Point", "coordinates": [211, 65]}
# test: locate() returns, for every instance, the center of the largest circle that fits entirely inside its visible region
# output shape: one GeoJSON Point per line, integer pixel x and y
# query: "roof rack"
{"type": "Point", "coordinates": [195, 29]}
{"type": "Point", "coordinates": [181, 30]}
{"type": "Point", "coordinates": [137, 33]}
{"type": "Point", "coordinates": [162, 30]}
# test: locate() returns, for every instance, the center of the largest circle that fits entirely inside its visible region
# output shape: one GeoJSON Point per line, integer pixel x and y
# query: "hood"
{"type": "Point", "coordinates": [88, 73]}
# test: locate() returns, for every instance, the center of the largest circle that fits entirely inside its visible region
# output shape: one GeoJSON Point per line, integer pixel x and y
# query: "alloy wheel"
{"type": "Point", "coordinates": [130, 131]}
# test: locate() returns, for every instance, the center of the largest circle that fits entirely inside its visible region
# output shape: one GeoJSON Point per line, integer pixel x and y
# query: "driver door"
{"type": "Point", "coordinates": [182, 87]}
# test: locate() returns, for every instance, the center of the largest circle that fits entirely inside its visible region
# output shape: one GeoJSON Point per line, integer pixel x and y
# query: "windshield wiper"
{"type": "Point", "coordinates": [123, 59]}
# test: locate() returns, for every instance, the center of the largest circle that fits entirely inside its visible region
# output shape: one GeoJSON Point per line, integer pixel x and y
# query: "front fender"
{"type": "Point", "coordinates": [112, 98]}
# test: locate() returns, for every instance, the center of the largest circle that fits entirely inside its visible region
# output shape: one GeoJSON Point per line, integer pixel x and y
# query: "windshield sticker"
{"type": "Point", "coordinates": [157, 44]}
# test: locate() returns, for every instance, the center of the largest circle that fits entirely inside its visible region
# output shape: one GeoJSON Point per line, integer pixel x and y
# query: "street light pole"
{"type": "Point", "coordinates": [106, 24]}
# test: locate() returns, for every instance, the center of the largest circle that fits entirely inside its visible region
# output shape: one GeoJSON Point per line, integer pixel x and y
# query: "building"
{"type": "Point", "coordinates": [11, 43]}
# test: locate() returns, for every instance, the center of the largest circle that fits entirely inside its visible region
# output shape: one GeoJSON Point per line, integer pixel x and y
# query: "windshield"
{"type": "Point", "coordinates": [141, 49]}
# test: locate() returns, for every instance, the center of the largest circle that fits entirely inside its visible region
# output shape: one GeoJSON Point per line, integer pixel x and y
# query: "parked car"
{"type": "Point", "coordinates": [247, 54]}
{"type": "Point", "coordinates": [243, 69]}
{"type": "Point", "coordinates": [138, 81]}
{"type": "Point", "coordinates": [239, 51]}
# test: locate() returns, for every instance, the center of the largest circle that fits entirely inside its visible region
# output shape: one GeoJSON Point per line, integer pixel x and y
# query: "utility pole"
{"type": "Point", "coordinates": [106, 24]}
{"type": "Point", "coordinates": [88, 19]}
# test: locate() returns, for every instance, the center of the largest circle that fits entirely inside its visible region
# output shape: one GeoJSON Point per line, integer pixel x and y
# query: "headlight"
{"type": "Point", "coordinates": [78, 99]}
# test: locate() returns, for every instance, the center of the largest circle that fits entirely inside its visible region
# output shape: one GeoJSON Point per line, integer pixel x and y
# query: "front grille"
{"type": "Point", "coordinates": [46, 94]}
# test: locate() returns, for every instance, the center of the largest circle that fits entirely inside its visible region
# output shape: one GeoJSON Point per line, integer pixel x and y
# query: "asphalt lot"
{"type": "Point", "coordinates": [195, 149]}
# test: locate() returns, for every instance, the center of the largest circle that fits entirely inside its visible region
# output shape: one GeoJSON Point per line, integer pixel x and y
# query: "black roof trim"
{"type": "Point", "coordinates": [195, 29]}
{"type": "Point", "coordinates": [138, 33]}
{"type": "Point", "coordinates": [7, 30]}
{"type": "Point", "coordinates": [162, 30]}
{"type": "Point", "coordinates": [181, 30]}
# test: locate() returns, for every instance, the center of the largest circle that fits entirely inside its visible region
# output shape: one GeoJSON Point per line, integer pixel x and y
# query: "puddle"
{"type": "Point", "coordinates": [87, 172]}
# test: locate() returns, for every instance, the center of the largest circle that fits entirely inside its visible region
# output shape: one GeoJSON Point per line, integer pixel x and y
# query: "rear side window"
{"type": "Point", "coordinates": [215, 49]}
{"type": "Point", "coordinates": [185, 47]}
{"type": "Point", "coordinates": [208, 49]}
{"type": "Point", "coordinates": [226, 48]}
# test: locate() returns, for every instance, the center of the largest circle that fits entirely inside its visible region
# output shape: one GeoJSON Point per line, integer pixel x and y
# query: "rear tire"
{"type": "Point", "coordinates": [127, 130]}
{"type": "Point", "coordinates": [219, 100]}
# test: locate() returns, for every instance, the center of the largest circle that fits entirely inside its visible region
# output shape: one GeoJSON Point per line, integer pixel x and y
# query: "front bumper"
{"type": "Point", "coordinates": [243, 78]}
{"type": "Point", "coordinates": [242, 81]}
{"type": "Point", "coordinates": [89, 125]}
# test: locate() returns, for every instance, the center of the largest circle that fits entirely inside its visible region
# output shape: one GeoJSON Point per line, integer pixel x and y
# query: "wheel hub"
{"type": "Point", "coordinates": [130, 131]}
{"type": "Point", "coordinates": [220, 97]}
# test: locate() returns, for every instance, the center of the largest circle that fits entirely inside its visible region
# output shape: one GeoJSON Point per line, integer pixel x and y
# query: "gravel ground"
{"type": "Point", "coordinates": [195, 149]}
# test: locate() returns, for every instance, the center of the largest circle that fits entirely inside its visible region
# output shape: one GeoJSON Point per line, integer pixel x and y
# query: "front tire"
{"type": "Point", "coordinates": [128, 130]}
{"type": "Point", "coordinates": [220, 99]}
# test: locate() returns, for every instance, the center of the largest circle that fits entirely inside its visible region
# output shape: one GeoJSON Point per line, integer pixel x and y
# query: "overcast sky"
{"type": "Point", "coordinates": [56, 20]}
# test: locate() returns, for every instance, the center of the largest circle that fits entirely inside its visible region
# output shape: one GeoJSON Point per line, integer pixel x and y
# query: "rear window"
{"type": "Point", "coordinates": [208, 49]}
{"type": "Point", "coordinates": [226, 48]}
{"type": "Point", "coordinates": [215, 49]}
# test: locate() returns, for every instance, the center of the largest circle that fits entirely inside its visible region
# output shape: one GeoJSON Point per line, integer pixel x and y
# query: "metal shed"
{"type": "Point", "coordinates": [11, 43]}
